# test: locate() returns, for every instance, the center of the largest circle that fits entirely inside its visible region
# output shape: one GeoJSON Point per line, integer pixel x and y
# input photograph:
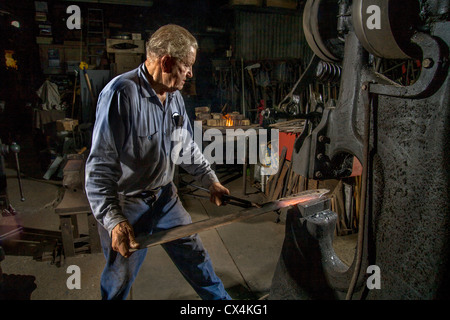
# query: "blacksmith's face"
{"type": "Point", "coordinates": [182, 70]}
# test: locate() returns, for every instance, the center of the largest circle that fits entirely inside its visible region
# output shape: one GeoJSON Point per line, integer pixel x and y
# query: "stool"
{"type": "Point", "coordinates": [76, 203]}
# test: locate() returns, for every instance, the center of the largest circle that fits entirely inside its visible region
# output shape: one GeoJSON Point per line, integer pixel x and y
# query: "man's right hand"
{"type": "Point", "coordinates": [123, 240]}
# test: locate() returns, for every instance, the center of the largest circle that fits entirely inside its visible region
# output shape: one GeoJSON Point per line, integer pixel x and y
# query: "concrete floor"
{"type": "Point", "coordinates": [244, 254]}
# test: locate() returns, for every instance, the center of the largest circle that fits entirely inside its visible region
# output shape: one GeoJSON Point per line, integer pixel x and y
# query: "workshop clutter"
{"type": "Point", "coordinates": [202, 114]}
{"type": "Point", "coordinates": [49, 95]}
{"type": "Point", "coordinates": [256, 86]}
{"type": "Point", "coordinates": [345, 199]}
{"type": "Point", "coordinates": [66, 124]}
{"type": "Point", "coordinates": [220, 119]}
{"type": "Point", "coordinates": [56, 125]}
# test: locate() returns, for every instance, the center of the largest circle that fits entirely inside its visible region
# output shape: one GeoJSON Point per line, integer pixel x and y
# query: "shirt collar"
{"type": "Point", "coordinates": [146, 89]}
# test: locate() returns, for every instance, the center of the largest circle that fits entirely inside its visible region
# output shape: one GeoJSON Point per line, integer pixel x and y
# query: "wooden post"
{"type": "Point", "coordinates": [67, 236]}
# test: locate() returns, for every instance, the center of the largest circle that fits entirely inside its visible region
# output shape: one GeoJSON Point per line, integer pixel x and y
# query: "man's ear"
{"type": "Point", "coordinates": [167, 62]}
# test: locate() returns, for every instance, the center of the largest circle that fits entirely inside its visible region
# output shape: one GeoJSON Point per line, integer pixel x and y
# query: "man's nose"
{"type": "Point", "coordinates": [190, 73]}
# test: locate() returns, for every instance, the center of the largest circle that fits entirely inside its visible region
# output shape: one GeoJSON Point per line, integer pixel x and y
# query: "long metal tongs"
{"type": "Point", "coordinates": [227, 199]}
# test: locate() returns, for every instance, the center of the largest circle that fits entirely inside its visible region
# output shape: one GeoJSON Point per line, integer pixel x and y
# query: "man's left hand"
{"type": "Point", "coordinates": [217, 190]}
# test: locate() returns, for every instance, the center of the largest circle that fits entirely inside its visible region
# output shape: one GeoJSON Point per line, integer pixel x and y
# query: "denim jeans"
{"type": "Point", "coordinates": [188, 254]}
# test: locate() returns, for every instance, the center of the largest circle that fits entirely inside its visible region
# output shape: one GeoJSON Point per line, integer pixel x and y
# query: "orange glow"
{"type": "Point", "coordinates": [291, 202]}
{"type": "Point", "coordinates": [229, 121]}
{"type": "Point", "coordinates": [303, 197]}
{"type": "Point", "coordinates": [10, 62]}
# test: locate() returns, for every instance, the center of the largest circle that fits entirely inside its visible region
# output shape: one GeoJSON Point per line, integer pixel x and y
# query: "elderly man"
{"type": "Point", "coordinates": [129, 170]}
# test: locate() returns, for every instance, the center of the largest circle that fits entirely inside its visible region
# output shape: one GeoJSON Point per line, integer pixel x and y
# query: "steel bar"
{"type": "Point", "coordinates": [196, 227]}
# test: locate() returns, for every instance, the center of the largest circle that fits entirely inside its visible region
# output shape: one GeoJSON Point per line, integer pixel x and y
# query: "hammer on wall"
{"type": "Point", "coordinates": [250, 72]}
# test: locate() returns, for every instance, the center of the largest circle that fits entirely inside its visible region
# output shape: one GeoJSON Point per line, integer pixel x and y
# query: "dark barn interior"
{"type": "Point", "coordinates": [349, 101]}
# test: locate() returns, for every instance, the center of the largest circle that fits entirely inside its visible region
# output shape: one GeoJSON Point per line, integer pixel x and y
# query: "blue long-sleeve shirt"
{"type": "Point", "coordinates": [132, 145]}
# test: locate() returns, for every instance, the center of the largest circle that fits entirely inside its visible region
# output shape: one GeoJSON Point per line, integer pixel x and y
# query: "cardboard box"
{"type": "Point", "coordinates": [136, 36]}
{"type": "Point", "coordinates": [246, 3]}
{"type": "Point", "coordinates": [215, 122]}
{"type": "Point", "coordinates": [236, 116]}
{"type": "Point", "coordinates": [66, 54]}
{"type": "Point", "coordinates": [202, 116]}
{"type": "Point", "coordinates": [202, 109]}
{"type": "Point", "coordinates": [44, 40]}
{"type": "Point", "coordinates": [287, 4]}
{"type": "Point", "coordinates": [126, 62]}
{"type": "Point", "coordinates": [120, 46]}
{"type": "Point", "coordinates": [66, 124]}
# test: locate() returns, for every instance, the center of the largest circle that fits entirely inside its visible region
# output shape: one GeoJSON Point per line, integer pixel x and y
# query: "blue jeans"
{"type": "Point", "coordinates": [188, 254]}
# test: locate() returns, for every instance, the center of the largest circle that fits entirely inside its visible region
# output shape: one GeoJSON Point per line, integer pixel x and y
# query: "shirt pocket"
{"type": "Point", "coordinates": [148, 147]}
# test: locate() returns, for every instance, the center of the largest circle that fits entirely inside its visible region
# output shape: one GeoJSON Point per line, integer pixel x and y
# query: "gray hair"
{"type": "Point", "coordinates": [171, 40]}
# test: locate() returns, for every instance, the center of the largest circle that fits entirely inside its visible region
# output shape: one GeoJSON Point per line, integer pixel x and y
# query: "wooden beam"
{"type": "Point", "coordinates": [280, 183]}
{"type": "Point", "coordinates": [281, 161]}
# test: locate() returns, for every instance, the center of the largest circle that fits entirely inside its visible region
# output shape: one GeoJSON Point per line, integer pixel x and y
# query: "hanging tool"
{"type": "Point", "coordinates": [304, 79]}
{"type": "Point", "coordinates": [84, 67]}
{"type": "Point", "coordinates": [252, 78]}
{"type": "Point", "coordinates": [242, 90]}
{"type": "Point", "coordinates": [74, 92]}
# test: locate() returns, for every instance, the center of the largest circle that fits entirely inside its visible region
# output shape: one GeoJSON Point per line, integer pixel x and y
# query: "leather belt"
{"type": "Point", "coordinates": [147, 193]}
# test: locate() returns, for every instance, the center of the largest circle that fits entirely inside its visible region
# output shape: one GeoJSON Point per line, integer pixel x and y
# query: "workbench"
{"type": "Point", "coordinates": [235, 137]}
{"type": "Point", "coordinates": [73, 204]}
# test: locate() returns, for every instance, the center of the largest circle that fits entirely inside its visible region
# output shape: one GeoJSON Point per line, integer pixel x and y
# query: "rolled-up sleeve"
{"type": "Point", "coordinates": [103, 169]}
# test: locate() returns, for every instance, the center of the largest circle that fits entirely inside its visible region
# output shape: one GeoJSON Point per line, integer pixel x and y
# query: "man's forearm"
{"type": "Point", "coordinates": [101, 191]}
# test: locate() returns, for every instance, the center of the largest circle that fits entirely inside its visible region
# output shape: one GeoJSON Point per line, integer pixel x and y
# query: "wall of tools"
{"type": "Point", "coordinates": [252, 86]}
